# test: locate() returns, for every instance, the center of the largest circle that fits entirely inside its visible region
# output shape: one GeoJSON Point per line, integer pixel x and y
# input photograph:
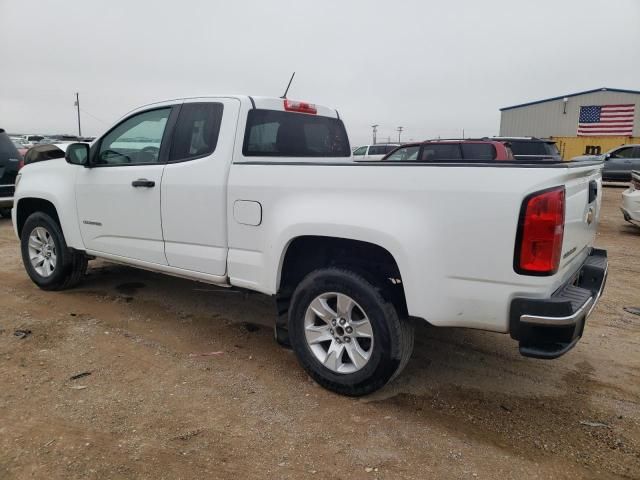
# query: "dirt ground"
{"type": "Point", "coordinates": [467, 406]}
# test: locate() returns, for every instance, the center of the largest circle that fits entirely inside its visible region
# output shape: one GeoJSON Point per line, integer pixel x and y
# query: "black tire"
{"type": "Point", "coordinates": [71, 265]}
{"type": "Point", "coordinates": [393, 337]}
{"type": "Point", "coordinates": [5, 212]}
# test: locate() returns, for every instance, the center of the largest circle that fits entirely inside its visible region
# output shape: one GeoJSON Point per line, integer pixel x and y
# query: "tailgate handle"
{"type": "Point", "coordinates": [593, 191]}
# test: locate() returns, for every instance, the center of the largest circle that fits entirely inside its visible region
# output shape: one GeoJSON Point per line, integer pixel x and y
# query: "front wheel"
{"type": "Point", "coordinates": [346, 336]}
{"type": "Point", "coordinates": [48, 261]}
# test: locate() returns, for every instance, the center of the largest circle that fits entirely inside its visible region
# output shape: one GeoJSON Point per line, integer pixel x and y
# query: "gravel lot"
{"type": "Point", "coordinates": [467, 406]}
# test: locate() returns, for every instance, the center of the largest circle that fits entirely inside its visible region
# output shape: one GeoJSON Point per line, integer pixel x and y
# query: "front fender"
{"type": "Point", "coordinates": [53, 181]}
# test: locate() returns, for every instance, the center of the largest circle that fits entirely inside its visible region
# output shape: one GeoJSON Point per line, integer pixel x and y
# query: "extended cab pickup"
{"type": "Point", "coordinates": [261, 194]}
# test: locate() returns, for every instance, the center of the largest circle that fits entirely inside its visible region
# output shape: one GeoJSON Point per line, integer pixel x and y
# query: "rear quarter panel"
{"type": "Point", "coordinates": [451, 229]}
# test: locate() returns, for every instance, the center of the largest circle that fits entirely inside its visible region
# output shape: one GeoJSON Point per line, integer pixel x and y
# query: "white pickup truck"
{"type": "Point", "coordinates": [261, 194]}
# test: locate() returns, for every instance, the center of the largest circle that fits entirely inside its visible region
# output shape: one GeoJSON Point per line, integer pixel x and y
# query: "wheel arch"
{"type": "Point", "coordinates": [305, 253]}
{"type": "Point", "coordinates": [29, 205]}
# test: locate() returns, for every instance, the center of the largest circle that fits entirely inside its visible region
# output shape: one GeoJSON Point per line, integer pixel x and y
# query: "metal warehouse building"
{"type": "Point", "coordinates": [589, 122]}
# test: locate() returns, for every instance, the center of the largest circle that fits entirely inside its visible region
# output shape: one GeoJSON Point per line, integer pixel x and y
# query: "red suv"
{"type": "Point", "coordinates": [451, 151]}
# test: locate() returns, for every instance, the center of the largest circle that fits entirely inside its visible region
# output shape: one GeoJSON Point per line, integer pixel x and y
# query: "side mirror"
{"type": "Point", "coordinates": [607, 156]}
{"type": "Point", "coordinates": [78, 154]}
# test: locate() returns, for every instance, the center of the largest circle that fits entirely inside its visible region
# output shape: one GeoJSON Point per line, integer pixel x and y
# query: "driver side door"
{"type": "Point", "coordinates": [118, 196]}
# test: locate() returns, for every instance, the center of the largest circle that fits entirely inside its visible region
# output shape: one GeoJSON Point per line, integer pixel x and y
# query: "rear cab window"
{"type": "Point", "coordinates": [274, 133]}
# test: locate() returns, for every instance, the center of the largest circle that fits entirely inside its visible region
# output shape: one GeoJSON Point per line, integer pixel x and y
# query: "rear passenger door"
{"type": "Point", "coordinates": [194, 185]}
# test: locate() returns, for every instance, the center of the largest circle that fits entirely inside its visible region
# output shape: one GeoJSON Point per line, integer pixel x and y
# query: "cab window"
{"type": "Point", "coordinates": [137, 140]}
{"type": "Point", "coordinates": [196, 132]}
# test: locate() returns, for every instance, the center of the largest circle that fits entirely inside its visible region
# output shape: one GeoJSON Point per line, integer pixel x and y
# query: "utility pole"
{"type": "Point", "coordinates": [375, 131]}
{"type": "Point", "coordinates": [399, 132]}
{"type": "Point", "coordinates": [77, 105]}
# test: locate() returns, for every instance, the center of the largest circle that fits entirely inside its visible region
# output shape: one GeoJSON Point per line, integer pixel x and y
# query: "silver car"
{"type": "Point", "coordinates": [620, 161]}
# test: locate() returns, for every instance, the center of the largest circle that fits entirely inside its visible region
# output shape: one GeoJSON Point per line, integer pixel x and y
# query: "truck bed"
{"type": "Point", "coordinates": [450, 226]}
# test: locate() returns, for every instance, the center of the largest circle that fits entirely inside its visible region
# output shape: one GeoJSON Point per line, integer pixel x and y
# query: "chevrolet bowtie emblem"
{"type": "Point", "coordinates": [589, 216]}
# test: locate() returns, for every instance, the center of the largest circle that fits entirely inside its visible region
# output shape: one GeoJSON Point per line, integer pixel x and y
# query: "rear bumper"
{"type": "Point", "coordinates": [6, 195]}
{"type": "Point", "coordinates": [6, 202]}
{"type": "Point", "coordinates": [550, 327]}
{"type": "Point", "coordinates": [631, 205]}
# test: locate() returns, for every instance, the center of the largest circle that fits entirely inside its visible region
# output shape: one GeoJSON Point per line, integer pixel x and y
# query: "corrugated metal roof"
{"type": "Point", "coordinates": [603, 89]}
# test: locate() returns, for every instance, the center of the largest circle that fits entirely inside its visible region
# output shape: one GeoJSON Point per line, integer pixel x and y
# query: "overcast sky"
{"type": "Point", "coordinates": [434, 67]}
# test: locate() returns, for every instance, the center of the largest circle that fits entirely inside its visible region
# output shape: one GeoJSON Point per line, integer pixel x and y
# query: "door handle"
{"type": "Point", "coordinates": [143, 182]}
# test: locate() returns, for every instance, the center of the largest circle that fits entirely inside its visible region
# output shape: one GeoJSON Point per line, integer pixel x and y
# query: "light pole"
{"type": "Point", "coordinates": [375, 131]}
{"type": "Point", "coordinates": [77, 105]}
{"type": "Point", "coordinates": [399, 132]}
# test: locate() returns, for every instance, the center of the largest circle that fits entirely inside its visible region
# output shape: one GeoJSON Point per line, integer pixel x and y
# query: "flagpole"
{"type": "Point", "coordinates": [78, 107]}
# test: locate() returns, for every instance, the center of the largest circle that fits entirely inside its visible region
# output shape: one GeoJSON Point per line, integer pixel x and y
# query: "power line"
{"type": "Point", "coordinates": [94, 117]}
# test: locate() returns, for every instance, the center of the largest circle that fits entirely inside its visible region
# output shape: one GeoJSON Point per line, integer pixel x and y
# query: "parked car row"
{"type": "Point", "coordinates": [446, 150]}
{"type": "Point", "coordinates": [28, 141]}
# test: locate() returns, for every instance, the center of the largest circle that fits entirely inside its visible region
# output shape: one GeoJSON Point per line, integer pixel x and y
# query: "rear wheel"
{"type": "Point", "coordinates": [345, 334]}
{"type": "Point", "coordinates": [48, 261]}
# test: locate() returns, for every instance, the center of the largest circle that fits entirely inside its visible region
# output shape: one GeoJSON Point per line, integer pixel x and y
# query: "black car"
{"type": "Point", "coordinates": [9, 166]}
{"type": "Point", "coordinates": [39, 153]}
{"type": "Point", "coordinates": [531, 148]}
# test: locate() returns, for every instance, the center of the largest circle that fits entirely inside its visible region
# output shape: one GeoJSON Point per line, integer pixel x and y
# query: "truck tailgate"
{"type": "Point", "coordinates": [583, 196]}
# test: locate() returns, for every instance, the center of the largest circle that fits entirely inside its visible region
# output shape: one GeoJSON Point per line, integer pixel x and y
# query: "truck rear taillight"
{"type": "Point", "coordinates": [540, 233]}
{"type": "Point", "coordinates": [302, 107]}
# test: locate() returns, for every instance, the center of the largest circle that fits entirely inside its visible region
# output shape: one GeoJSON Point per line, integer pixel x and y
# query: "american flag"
{"type": "Point", "coordinates": [602, 120]}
